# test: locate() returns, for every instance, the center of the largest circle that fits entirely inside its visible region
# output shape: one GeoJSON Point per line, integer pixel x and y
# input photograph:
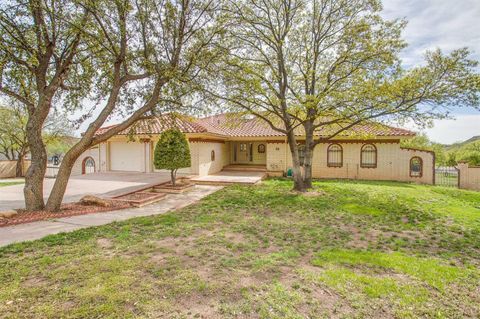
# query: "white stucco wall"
{"type": "Point", "coordinates": [393, 162]}
{"type": "Point", "coordinates": [201, 157]}
{"type": "Point", "coordinates": [469, 176]}
{"type": "Point", "coordinates": [95, 153]}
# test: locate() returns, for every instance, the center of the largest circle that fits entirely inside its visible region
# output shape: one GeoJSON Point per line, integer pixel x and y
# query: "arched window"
{"type": "Point", "coordinates": [88, 165]}
{"type": "Point", "coordinates": [368, 156]}
{"type": "Point", "coordinates": [212, 156]}
{"type": "Point", "coordinates": [416, 167]}
{"type": "Point", "coordinates": [301, 154]}
{"type": "Point", "coordinates": [334, 155]}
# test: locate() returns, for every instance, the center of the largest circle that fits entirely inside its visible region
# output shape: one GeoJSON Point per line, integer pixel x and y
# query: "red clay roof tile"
{"type": "Point", "coordinates": [230, 125]}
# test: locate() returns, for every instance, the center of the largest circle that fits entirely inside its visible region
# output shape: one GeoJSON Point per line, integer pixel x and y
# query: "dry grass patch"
{"type": "Point", "coordinates": [357, 250]}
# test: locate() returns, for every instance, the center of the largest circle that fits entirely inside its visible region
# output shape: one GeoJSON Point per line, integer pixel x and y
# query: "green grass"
{"type": "Point", "coordinates": [345, 250]}
{"type": "Point", "coordinates": [2, 184]}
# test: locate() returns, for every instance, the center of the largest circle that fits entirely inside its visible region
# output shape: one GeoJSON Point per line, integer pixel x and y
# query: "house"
{"type": "Point", "coordinates": [370, 151]}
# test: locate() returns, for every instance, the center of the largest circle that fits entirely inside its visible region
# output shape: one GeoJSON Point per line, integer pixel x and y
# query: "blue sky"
{"type": "Point", "coordinates": [446, 24]}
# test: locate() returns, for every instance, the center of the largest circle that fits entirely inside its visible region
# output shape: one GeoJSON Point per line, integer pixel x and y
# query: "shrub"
{"type": "Point", "coordinates": [172, 152]}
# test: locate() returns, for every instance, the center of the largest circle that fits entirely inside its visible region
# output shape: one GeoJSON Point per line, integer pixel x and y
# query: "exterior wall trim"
{"type": "Point", "coordinates": [205, 140]}
{"type": "Point", "coordinates": [346, 141]}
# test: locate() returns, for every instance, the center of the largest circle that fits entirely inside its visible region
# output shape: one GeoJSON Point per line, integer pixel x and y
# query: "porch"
{"type": "Point", "coordinates": [248, 153]}
{"type": "Point", "coordinates": [234, 174]}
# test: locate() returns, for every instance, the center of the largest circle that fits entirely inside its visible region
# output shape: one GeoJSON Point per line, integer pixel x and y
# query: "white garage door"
{"type": "Point", "coordinates": [127, 156]}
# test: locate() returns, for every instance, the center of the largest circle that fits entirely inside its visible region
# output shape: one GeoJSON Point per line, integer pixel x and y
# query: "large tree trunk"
{"type": "Point", "coordinates": [307, 165]}
{"type": "Point", "coordinates": [33, 190]}
{"type": "Point", "coordinates": [173, 175]}
{"type": "Point", "coordinates": [65, 170]}
{"type": "Point", "coordinates": [56, 196]}
{"type": "Point", "coordinates": [88, 140]}
{"type": "Point", "coordinates": [298, 184]}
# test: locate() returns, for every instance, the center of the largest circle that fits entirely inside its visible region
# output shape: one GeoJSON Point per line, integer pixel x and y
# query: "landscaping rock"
{"type": "Point", "coordinates": [8, 214]}
{"type": "Point", "coordinates": [95, 201]}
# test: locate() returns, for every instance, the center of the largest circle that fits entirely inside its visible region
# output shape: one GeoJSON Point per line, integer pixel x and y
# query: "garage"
{"type": "Point", "coordinates": [127, 156]}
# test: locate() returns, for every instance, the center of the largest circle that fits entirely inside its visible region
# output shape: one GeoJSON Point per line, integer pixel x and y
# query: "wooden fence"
{"type": "Point", "coordinates": [7, 168]}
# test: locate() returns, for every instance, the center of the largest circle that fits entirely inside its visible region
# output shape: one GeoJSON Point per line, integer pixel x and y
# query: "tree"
{"type": "Point", "coordinates": [172, 152]}
{"type": "Point", "coordinates": [129, 57]}
{"type": "Point", "coordinates": [60, 145]}
{"type": "Point", "coordinates": [154, 51]}
{"type": "Point", "coordinates": [13, 133]}
{"type": "Point", "coordinates": [451, 160]}
{"type": "Point", "coordinates": [13, 140]}
{"type": "Point", "coordinates": [469, 153]}
{"type": "Point", "coordinates": [422, 142]}
{"type": "Point", "coordinates": [319, 68]}
{"type": "Point", "coordinates": [41, 56]}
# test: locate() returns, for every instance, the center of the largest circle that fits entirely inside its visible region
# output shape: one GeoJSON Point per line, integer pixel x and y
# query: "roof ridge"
{"type": "Point", "coordinates": [255, 127]}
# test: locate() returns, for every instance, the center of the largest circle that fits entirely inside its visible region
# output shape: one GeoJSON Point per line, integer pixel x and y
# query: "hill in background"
{"type": "Point", "coordinates": [458, 145]}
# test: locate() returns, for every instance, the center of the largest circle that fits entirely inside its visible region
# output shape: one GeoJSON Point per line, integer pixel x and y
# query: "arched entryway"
{"type": "Point", "coordinates": [88, 165]}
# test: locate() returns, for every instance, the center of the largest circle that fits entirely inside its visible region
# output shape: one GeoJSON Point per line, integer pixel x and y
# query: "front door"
{"type": "Point", "coordinates": [242, 152]}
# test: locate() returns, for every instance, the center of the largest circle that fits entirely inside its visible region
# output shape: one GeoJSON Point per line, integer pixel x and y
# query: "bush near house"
{"type": "Point", "coordinates": [172, 152]}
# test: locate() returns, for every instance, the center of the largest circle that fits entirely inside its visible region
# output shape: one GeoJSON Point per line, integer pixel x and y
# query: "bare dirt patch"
{"type": "Point", "coordinates": [104, 243]}
{"type": "Point", "coordinates": [235, 238]}
{"type": "Point", "coordinates": [32, 282]}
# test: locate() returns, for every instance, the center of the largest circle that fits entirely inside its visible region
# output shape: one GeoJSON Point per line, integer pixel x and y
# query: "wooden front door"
{"type": "Point", "coordinates": [242, 152]}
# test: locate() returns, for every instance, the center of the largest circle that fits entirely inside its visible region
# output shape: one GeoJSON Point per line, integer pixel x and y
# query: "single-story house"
{"type": "Point", "coordinates": [369, 151]}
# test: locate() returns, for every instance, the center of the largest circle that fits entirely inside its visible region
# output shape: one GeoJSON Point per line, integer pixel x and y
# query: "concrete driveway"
{"type": "Point", "coordinates": [101, 184]}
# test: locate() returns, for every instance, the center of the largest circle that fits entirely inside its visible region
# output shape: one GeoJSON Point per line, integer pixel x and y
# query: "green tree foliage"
{"type": "Point", "coordinates": [60, 145]}
{"type": "Point", "coordinates": [14, 144]}
{"type": "Point", "coordinates": [469, 152]}
{"type": "Point", "coordinates": [422, 142]}
{"type": "Point", "coordinates": [327, 66]}
{"type": "Point", "coordinates": [128, 58]}
{"type": "Point", "coordinates": [450, 159]}
{"type": "Point", "coordinates": [43, 61]}
{"type": "Point", "coordinates": [172, 152]}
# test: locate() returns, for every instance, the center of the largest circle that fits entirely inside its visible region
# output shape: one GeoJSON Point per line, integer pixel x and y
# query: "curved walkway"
{"type": "Point", "coordinates": [37, 230]}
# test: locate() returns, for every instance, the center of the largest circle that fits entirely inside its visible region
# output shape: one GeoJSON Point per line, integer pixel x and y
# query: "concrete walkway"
{"type": "Point", "coordinates": [230, 177]}
{"type": "Point", "coordinates": [37, 230]}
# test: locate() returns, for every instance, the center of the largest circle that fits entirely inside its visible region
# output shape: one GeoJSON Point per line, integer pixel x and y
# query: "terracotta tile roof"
{"type": "Point", "coordinates": [235, 126]}
{"type": "Point", "coordinates": [229, 125]}
{"type": "Point", "coordinates": [158, 124]}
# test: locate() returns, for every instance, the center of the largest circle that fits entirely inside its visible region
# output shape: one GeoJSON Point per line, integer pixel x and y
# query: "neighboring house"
{"type": "Point", "coordinates": [369, 151]}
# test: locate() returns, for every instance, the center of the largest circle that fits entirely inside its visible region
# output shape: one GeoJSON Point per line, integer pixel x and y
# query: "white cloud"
{"type": "Point", "coordinates": [444, 24]}
{"type": "Point", "coordinates": [451, 131]}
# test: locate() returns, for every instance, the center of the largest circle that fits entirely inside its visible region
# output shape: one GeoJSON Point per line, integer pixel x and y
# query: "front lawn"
{"type": "Point", "coordinates": [348, 249]}
{"type": "Point", "coordinates": [2, 184]}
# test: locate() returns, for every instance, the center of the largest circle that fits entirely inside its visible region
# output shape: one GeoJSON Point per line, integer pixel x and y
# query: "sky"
{"type": "Point", "coordinates": [444, 24]}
